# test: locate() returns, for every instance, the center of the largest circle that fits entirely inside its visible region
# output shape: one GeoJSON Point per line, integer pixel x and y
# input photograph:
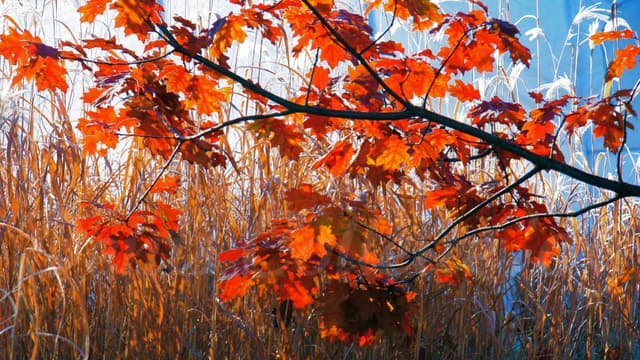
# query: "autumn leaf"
{"type": "Point", "coordinates": [304, 197]}
{"type": "Point", "coordinates": [232, 30]}
{"type": "Point", "coordinates": [338, 159]}
{"type": "Point", "coordinates": [453, 272]}
{"type": "Point", "coordinates": [168, 183]}
{"type": "Point", "coordinates": [136, 17]}
{"type": "Point", "coordinates": [507, 33]}
{"type": "Point", "coordinates": [463, 91]}
{"type": "Point", "coordinates": [393, 154]}
{"type": "Point", "coordinates": [302, 241]}
{"type": "Point", "coordinates": [91, 9]}
{"type": "Point", "coordinates": [285, 137]}
{"type": "Point", "coordinates": [294, 291]}
{"type": "Point", "coordinates": [234, 287]}
{"type": "Point", "coordinates": [99, 129]}
{"type": "Point", "coordinates": [625, 59]}
{"type": "Point", "coordinates": [33, 60]}
{"type": "Point", "coordinates": [600, 37]}
{"type": "Point", "coordinates": [424, 12]}
{"type": "Point", "coordinates": [609, 122]}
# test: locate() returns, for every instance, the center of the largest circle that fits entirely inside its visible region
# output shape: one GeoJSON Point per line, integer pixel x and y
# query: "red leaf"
{"type": "Point", "coordinates": [232, 255]}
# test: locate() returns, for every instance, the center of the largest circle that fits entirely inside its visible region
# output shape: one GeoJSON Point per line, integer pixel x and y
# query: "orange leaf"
{"type": "Point", "coordinates": [338, 159]}
{"type": "Point", "coordinates": [34, 60]}
{"type": "Point", "coordinates": [91, 9]}
{"type": "Point", "coordinates": [286, 137]}
{"type": "Point", "coordinates": [297, 293]}
{"type": "Point", "coordinates": [302, 241]}
{"type": "Point", "coordinates": [625, 58]}
{"type": "Point", "coordinates": [394, 154]}
{"type": "Point", "coordinates": [169, 215]}
{"type": "Point", "coordinates": [177, 78]}
{"type": "Point", "coordinates": [234, 287]}
{"type": "Point", "coordinates": [137, 17]}
{"type": "Point", "coordinates": [600, 37]}
{"type": "Point", "coordinates": [168, 184]}
{"type": "Point", "coordinates": [464, 92]}
{"type": "Point", "coordinates": [89, 225]}
{"type": "Point", "coordinates": [231, 30]}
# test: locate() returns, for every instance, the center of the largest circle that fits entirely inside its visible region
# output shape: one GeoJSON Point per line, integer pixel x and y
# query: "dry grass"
{"type": "Point", "coordinates": [61, 299]}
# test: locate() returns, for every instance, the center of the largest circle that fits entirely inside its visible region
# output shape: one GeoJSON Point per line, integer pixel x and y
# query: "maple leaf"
{"type": "Point", "coordinates": [176, 77]}
{"type": "Point", "coordinates": [234, 287]}
{"type": "Point", "coordinates": [608, 121]}
{"type": "Point", "coordinates": [311, 34]}
{"type": "Point", "coordinates": [285, 137]}
{"type": "Point", "coordinates": [338, 159]}
{"type": "Point", "coordinates": [296, 292]}
{"type": "Point", "coordinates": [136, 17]}
{"type": "Point", "coordinates": [625, 58]}
{"type": "Point", "coordinates": [91, 9]}
{"type": "Point", "coordinates": [205, 95]}
{"type": "Point", "coordinates": [424, 12]}
{"type": "Point", "coordinates": [393, 153]}
{"type": "Point", "coordinates": [89, 225]}
{"type": "Point", "coordinates": [302, 241]}
{"type": "Point", "coordinates": [232, 30]}
{"type": "Point", "coordinates": [507, 32]}
{"type": "Point", "coordinates": [324, 237]}
{"type": "Point", "coordinates": [464, 92]}
{"type": "Point", "coordinates": [99, 129]}
{"type": "Point", "coordinates": [33, 60]}
{"type": "Point", "coordinates": [497, 111]}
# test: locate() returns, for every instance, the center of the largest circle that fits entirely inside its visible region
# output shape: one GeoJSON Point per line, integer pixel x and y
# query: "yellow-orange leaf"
{"type": "Point", "coordinates": [91, 9]}
{"type": "Point", "coordinates": [302, 241]}
{"type": "Point", "coordinates": [394, 154]}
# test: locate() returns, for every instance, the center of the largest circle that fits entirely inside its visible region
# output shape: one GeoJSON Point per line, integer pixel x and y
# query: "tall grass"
{"type": "Point", "coordinates": [61, 299]}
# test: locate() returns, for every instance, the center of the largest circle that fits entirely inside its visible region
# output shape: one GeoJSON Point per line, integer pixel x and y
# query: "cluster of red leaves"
{"type": "Point", "coordinates": [535, 131]}
{"type": "Point", "coordinates": [300, 259]}
{"type": "Point", "coordinates": [324, 253]}
{"type": "Point", "coordinates": [141, 239]}
{"type": "Point", "coordinates": [607, 116]}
